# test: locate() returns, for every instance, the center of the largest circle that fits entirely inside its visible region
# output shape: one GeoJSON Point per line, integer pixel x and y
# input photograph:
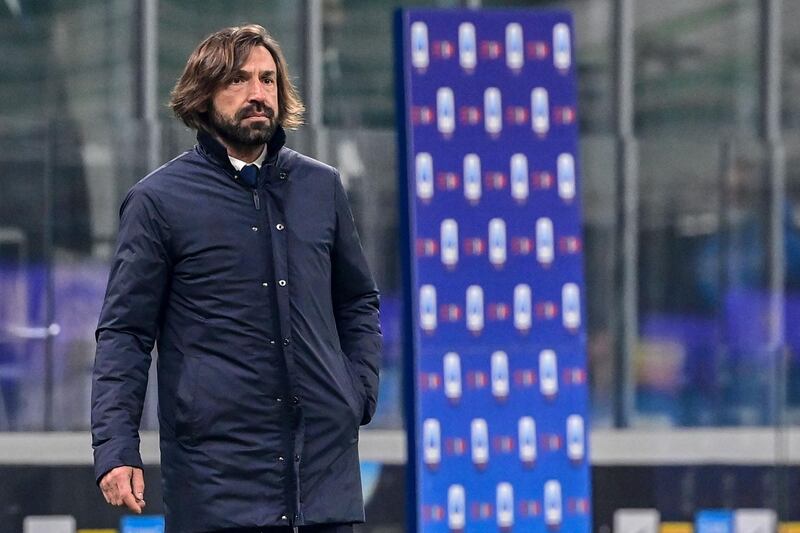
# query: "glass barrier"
{"type": "Point", "coordinates": [709, 351]}
{"type": "Point", "coordinates": [704, 200]}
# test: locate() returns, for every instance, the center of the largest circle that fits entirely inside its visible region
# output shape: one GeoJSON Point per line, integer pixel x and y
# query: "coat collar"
{"type": "Point", "coordinates": [214, 150]}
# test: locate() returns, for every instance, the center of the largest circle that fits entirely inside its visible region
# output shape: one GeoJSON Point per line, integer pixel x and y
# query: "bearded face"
{"type": "Point", "coordinates": [252, 125]}
{"type": "Point", "coordinates": [244, 111]}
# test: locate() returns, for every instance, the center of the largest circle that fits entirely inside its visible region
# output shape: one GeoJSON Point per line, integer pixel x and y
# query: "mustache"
{"type": "Point", "coordinates": [254, 110]}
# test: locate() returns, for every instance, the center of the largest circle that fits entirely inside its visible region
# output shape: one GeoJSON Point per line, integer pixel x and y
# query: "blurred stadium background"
{"type": "Point", "coordinates": [691, 185]}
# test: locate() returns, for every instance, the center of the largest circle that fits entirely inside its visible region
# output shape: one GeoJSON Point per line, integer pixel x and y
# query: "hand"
{"type": "Point", "coordinates": [124, 485]}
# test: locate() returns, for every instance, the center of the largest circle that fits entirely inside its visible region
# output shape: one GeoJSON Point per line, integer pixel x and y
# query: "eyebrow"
{"type": "Point", "coordinates": [245, 73]}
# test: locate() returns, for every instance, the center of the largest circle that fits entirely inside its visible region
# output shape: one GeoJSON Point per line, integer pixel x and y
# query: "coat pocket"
{"type": "Point", "coordinates": [186, 399]}
{"type": "Point", "coordinates": [358, 392]}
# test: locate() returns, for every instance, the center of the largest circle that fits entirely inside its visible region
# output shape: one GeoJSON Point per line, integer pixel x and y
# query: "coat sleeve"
{"type": "Point", "coordinates": [356, 303]}
{"type": "Point", "coordinates": [126, 333]}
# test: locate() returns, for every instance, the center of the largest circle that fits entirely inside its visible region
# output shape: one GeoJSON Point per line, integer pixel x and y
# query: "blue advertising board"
{"type": "Point", "coordinates": [142, 524]}
{"type": "Point", "coordinates": [714, 521]}
{"type": "Point", "coordinates": [495, 321]}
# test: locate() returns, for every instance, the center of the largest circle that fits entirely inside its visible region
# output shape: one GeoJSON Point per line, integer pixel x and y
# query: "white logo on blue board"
{"type": "Point", "coordinates": [493, 110]}
{"type": "Point", "coordinates": [552, 503]}
{"type": "Point", "coordinates": [522, 307]}
{"type": "Point", "coordinates": [427, 307]}
{"type": "Point", "coordinates": [467, 46]}
{"type": "Point", "coordinates": [456, 507]}
{"type": "Point", "coordinates": [452, 376]}
{"type": "Point", "coordinates": [565, 168]}
{"type": "Point", "coordinates": [420, 56]}
{"type": "Point", "coordinates": [526, 428]}
{"type": "Point", "coordinates": [500, 375]}
{"type": "Point", "coordinates": [540, 111]}
{"type": "Point", "coordinates": [571, 306]}
{"type": "Point", "coordinates": [445, 110]}
{"type": "Point", "coordinates": [475, 308]}
{"type": "Point", "coordinates": [424, 175]}
{"type": "Point", "coordinates": [545, 241]}
{"type": "Point", "coordinates": [432, 443]}
{"type": "Point", "coordinates": [479, 439]}
{"type": "Point", "coordinates": [472, 177]}
{"type": "Point", "coordinates": [575, 438]}
{"type": "Point", "coordinates": [562, 47]}
{"type": "Point", "coordinates": [548, 373]}
{"type": "Point", "coordinates": [505, 506]}
{"type": "Point", "coordinates": [449, 242]}
{"type": "Point", "coordinates": [515, 48]}
{"type": "Point", "coordinates": [519, 177]}
{"type": "Point", "coordinates": [497, 242]}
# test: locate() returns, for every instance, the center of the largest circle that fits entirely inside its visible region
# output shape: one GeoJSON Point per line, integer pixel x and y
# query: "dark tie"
{"type": "Point", "coordinates": [249, 175]}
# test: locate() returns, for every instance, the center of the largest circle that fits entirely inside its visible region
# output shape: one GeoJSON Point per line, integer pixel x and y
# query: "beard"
{"type": "Point", "coordinates": [232, 131]}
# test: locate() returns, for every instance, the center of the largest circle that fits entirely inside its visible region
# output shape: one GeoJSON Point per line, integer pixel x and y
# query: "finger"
{"type": "Point", "coordinates": [109, 492]}
{"type": "Point", "coordinates": [137, 483]}
{"type": "Point", "coordinates": [116, 483]}
{"type": "Point", "coordinates": [125, 494]}
{"type": "Point", "coordinates": [131, 503]}
{"type": "Point", "coordinates": [121, 486]}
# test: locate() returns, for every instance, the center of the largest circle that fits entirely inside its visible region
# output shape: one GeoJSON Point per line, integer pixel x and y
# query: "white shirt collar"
{"type": "Point", "coordinates": [238, 164]}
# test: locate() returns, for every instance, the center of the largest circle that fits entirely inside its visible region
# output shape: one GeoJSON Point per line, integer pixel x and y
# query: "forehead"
{"type": "Point", "coordinates": [258, 60]}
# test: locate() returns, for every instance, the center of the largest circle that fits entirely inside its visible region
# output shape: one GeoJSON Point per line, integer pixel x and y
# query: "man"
{"type": "Point", "coordinates": [242, 258]}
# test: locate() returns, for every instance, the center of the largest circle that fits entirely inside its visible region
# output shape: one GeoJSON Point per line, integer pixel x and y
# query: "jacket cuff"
{"type": "Point", "coordinates": [114, 453]}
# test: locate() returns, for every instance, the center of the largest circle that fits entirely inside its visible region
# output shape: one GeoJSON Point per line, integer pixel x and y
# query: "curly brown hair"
{"type": "Point", "coordinates": [216, 61]}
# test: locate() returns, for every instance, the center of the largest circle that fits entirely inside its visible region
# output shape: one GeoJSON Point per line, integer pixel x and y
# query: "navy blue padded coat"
{"type": "Point", "coordinates": [267, 323]}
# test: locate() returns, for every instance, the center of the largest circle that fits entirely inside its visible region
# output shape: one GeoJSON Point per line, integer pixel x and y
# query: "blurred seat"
{"type": "Point", "coordinates": [49, 524]}
{"type": "Point", "coordinates": [636, 521]}
{"type": "Point", "coordinates": [754, 520]}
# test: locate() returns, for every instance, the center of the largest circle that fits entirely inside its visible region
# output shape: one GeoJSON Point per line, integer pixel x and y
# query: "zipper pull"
{"type": "Point", "coordinates": [256, 200]}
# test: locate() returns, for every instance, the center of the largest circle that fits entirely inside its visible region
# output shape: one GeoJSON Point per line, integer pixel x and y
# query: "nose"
{"type": "Point", "coordinates": [257, 91]}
